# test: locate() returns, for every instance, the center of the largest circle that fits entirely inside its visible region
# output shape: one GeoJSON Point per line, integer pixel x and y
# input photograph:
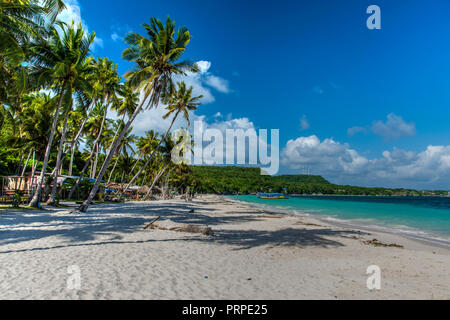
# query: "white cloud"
{"type": "Point", "coordinates": [203, 81]}
{"type": "Point", "coordinates": [304, 123]}
{"type": "Point", "coordinates": [217, 83]}
{"type": "Point", "coordinates": [394, 127]}
{"type": "Point", "coordinates": [152, 119]}
{"type": "Point", "coordinates": [397, 168]}
{"type": "Point", "coordinates": [204, 66]}
{"type": "Point", "coordinates": [72, 12]}
{"type": "Point", "coordinates": [355, 130]}
{"type": "Point", "coordinates": [115, 36]}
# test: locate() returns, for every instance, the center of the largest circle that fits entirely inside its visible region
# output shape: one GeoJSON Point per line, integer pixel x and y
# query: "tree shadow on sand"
{"type": "Point", "coordinates": [289, 237]}
{"type": "Point", "coordinates": [108, 224]}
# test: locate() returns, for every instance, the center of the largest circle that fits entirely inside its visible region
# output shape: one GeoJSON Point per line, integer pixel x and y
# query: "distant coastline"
{"type": "Point", "coordinates": [421, 218]}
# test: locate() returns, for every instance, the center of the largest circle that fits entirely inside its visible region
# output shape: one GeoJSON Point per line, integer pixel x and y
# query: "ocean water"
{"type": "Point", "coordinates": [422, 217]}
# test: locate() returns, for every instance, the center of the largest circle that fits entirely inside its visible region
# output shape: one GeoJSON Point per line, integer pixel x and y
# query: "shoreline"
{"type": "Point", "coordinates": [252, 254]}
{"type": "Point", "coordinates": [429, 238]}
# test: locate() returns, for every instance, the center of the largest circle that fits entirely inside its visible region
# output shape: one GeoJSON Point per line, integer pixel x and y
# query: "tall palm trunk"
{"type": "Point", "coordinates": [71, 161]}
{"type": "Point", "coordinates": [155, 181]}
{"type": "Point", "coordinates": [114, 167]}
{"type": "Point", "coordinates": [94, 164]}
{"type": "Point", "coordinates": [52, 200]}
{"type": "Point", "coordinates": [77, 137]}
{"type": "Point", "coordinates": [37, 194]}
{"type": "Point", "coordinates": [24, 168]}
{"type": "Point", "coordinates": [115, 136]}
{"type": "Point", "coordinates": [86, 165]}
{"type": "Point", "coordinates": [88, 201]}
{"type": "Point", "coordinates": [33, 170]}
{"type": "Point", "coordinates": [94, 168]}
{"type": "Point", "coordinates": [153, 153]}
{"type": "Point", "coordinates": [137, 161]}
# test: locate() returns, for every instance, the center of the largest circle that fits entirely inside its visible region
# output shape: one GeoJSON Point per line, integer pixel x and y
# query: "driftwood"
{"type": "Point", "coordinates": [150, 224]}
{"type": "Point", "coordinates": [173, 226]}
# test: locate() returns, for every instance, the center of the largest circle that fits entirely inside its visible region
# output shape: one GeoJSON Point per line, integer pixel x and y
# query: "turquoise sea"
{"type": "Point", "coordinates": [422, 217]}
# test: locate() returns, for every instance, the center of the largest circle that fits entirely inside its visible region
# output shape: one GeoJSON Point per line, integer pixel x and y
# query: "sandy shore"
{"type": "Point", "coordinates": [252, 255]}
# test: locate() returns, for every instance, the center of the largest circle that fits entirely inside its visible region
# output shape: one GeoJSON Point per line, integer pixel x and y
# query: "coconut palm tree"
{"type": "Point", "coordinates": [125, 145]}
{"type": "Point", "coordinates": [146, 145]}
{"type": "Point", "coordinates": [57, 61]}
{"type": "Point", "coordinates": [180, 101]}
{"type": "Point", "coordinates": [20, 20]}
{"type": "Point", "coordinates": [156, 61]}
{"type": "Point", "coordinates": [94, 128]}
{"type": "Point", "coordinates": [124, 107]}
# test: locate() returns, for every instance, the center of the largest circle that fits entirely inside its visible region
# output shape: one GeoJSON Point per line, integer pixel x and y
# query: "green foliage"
{"type": "Point", "coordinates": [241, 180]}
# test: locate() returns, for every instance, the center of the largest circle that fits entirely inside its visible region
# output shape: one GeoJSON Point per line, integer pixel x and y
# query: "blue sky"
{"type": "Point", "coordinates": [358, 106]}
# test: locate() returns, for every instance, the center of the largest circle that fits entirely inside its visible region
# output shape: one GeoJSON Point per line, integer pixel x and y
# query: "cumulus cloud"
{"type": "Point", "coordinates": [355, 130]}
{"type": "Point", "coordinates": [304, 123]}
{"type": "Point", "coordinates": [217, 83]}
{"type": "Point", "coordinates": [393, 127]}
{"type": "Point", "coordinates": [152, 118]}
{"type": "Point", "coordinates": [397, 168]}
{"type": "Point", "coordinates": [72, 12]}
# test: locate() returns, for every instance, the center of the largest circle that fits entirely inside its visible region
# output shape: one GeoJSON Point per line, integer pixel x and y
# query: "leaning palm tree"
{"type": "Point", "coordinates": [180, 101]}
{"type": "Point", "coordinates": [146, 145]}
{"type": "Point", "coordinates": [125, 106]}
{"type": "Point", "coordinates": [125, 145]}
{"type": "Point", "coordinates": [156, 61]}
{"type": "Point", "coordinates": [56, 61]}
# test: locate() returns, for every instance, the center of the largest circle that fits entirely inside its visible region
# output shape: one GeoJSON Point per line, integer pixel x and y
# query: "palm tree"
{"type": "Point", "coordinates": [146, 145]}
{"type": "Point", "coordinates": [124, 107]}
{"type": "Point", "coordinates": [181, 101]}
{"type": "Point", "coordinates": [21, 21]}
{"type": "Point", "coordinates": [125, 145]}
{"type": "Point", "coordinates": [156, 61]}
{"type": "Point", "coordinates": [57, 61]}
{"type": "Point", "coordinates": [94, 128]}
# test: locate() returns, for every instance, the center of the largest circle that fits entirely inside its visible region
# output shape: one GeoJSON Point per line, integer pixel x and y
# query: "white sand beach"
{"type": "Point", "coordinates": [252, 255]}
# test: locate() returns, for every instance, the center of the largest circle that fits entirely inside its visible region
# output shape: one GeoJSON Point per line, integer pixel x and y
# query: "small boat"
{"type": "Point", "coordinates": [272, 196]}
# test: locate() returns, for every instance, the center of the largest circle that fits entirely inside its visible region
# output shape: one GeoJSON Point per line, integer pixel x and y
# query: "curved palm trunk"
{"type": "Point", "coordinates": [33, 170]}
{"type": "Point", "coordinates": [153, 153]}
{"type": "Point", "coordinates": [94, 168]}
{"type": "Point", "coordinates": [115, 136]}
{"type": "Point", "coordinates": [77, 137]}
{"type": "Point", "coordinates": [52, 199]}
{"type": "Point", "coordinates": [114, 167]}
{"type": "Point", "coordinates": [88, 161]}
{"type": "Point", "coordinates": [71, 161]}
{"type": "Point", "coordinates": [94, 164]}
{"type": "Point", "coordinates": [87, 203]}
{"type": "Point", "coordinates": [37, 194]}
{"type": "Point", "coordinates": [155, 181]}
{"type": "Point", "coordinates": [24, 168]}
{"type": "Point", "coordinates": [81, 175]}
{"type": "Point", "coordinates": [137, 161]}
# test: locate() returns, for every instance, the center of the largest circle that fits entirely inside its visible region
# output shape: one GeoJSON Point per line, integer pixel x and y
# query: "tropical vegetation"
{"type": "Point", "coordinates": [58, 101]}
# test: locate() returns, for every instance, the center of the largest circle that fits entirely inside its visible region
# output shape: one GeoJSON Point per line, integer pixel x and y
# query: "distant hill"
{"type": "Point", "coordinates": [244, 180]}
{"type": "Point", "coordinates": [301, 178]}
{"type": "Point", "coordinates": [249, 180]}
